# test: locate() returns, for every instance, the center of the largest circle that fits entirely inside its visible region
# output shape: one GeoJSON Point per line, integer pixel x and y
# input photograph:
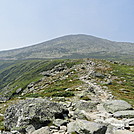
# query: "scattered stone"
{"type": "Point", "coordinates": [18, 90]}
{"type": "Point", "coordinates": [30, 129]}
{"type": "Point", "coordinates": [47, 74]}
{"type": "Point", "coordinates": [53, 127]}
{"type": "Point", "coordinates": [59, 122]}
{"type": "Point", "coordinates": [79, 114]}
{"type": "Point", "coordinates": [5, 132]}
{"type": "Point", "coordinates": [122, 132]}
{"type": "Point", "coordinates": [61, 131]}
{"type": "Point", "coordinates": [131, 122]}
{"type": "Point", "coordinates": [63, 128]}
{"type": "Point", "coordinates": [115, 122]}
{"type": "Point", "coordinates": [85, 127]}
{"type": "Point", "coordinates": [30, 85]}
{"type": "Point", "coordinates": [97, 74]}
{"type": "Point", "coordinates": [124, 114]}
{"type": "Point", "coordinates": [43, 130]}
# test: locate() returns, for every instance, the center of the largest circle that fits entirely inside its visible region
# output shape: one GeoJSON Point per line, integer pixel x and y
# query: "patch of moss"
{"type": "Point", "coordinates": [2, 125]}
{"type": "Point", "coordinates": [85, 98]}
{"type": "Point", "coordinates": [60, 94]}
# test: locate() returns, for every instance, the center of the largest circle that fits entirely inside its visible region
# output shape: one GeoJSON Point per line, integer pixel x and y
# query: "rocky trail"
{"type": "Point", "coordinates": [92, 110]}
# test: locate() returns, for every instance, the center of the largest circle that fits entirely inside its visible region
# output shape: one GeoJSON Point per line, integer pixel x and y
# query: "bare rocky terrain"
{"type": "Point", "coordinates": [72, 100]}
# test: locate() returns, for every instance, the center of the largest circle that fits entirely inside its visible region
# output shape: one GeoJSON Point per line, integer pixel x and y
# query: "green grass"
{"type": "Point", "coordinates": [18, 74]}
{"type": "Point", "coordinates": [123, 86]}
{"type": "Point", "coordinates": [21, 73]}
{"type": "Point", "coordinates": [125, 82]}
{"type": "Point", "coordinates": [59, 88]}
{"type": "Point", "coordinates": [60, 94]}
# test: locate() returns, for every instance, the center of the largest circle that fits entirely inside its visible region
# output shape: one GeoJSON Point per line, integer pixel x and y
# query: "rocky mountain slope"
{"type": "Point", "coordinates": [74, 46]}
{"type": "Point", "coordinates": [84, 96]}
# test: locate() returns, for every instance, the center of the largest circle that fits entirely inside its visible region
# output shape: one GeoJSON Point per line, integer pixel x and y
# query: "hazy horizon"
{"type": "Point", "coordinates": [25, 23]}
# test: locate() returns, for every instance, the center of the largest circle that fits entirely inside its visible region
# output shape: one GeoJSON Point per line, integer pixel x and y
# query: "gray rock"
{"type": "Point", "coordinates": [6, 132]}
{"type": "Point", "coordinates": [124, 114]}
{"type": "Point", "coordinates": [12, 132]}
{"type": "Point", "coordinates": [30, 129]}
{"type": "Point", "coordinates": [72, 127]}
{"type": "Point", "coordinates": [53, 127]}
{"type": "Point", "coordinates": [46, 73]}
{"type": "Point", "coordinates": [110, 129]}
{"type": "Point", "coordinates": [43, 130]}
{"type": "Point", "coordinates": [115, 122]}
{"type": "Point", "coordinates": [59, 122]}
{"type": "Point", "coordinates": [79, 114]}
{"type": "Point", "coordinates": [107, 82]}
{"type": "Point", "coordinates": [18, 90]}
{"type": "Point", "coordinates": [86, 105]}
{"type": "Point", "coordinates": [116, 105]}
{"type": "Point", "coordinates": [86, 127]}
{"type": "Point", "coordinates": [123, 132]}
{"type": "Point", "coordinates": [37, 112]}
{"type": "Point", "coordinates": [15, 132]}
{"type": "Point", "coordinates": [63, 128]}
{"type": "Point", "coordinates": [59, 68]}
{"type": "Point", "coordinates": [131, 123]}
{"type": "Point", "coordinates": [30, 85]}
{"type": "Point", "coordinates": [97, 74]}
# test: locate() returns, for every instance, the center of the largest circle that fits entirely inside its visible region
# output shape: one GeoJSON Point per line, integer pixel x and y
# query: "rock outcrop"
{"type": "Point", "coordinates": [35, 112]}
{"type": "Point", "coordinates": [116, 105]}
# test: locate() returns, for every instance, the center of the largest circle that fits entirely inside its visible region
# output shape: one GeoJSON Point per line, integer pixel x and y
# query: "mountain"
{"type": "Point", "coordinates": [73, 46]}
{"type": "Point", "coordinates": [39, 94]}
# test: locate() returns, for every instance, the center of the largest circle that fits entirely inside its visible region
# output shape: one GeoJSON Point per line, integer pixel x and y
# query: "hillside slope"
{"type": "Point", "coordinates": [73, 46]}
{"type": "Point", "coordinates": [69, 94]}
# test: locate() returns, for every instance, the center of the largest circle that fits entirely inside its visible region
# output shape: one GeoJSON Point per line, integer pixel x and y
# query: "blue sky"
{"type": "Point", "coordinates": [27, 22]}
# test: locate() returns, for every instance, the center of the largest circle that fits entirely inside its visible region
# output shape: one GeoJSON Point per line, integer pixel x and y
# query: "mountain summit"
{"type": "Point", "coordinates": [72, 46]}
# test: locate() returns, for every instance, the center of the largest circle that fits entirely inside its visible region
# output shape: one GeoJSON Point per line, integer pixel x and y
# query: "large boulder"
{"type": "Point", "coordinates": [116, 105]}
{"type": "Point", "coordinates": [87, 106]}
{"type": "Point", "coordinates": [85, 127]}
{"type": "Point", "coordinates": [36, 112]}
{"type": "Point", "coordinates": [124, 114]}
{"type": "Point", "coordinates": [43, 130]}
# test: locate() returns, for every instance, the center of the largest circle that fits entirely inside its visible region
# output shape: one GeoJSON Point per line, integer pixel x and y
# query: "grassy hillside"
{"type": "Point", "coordinates": [15, 75]}
{"type": "Point", "coordinates": [35, 79]}
{"type": "Point", "coordinates": [121, 83]}
{"type": "Point", "coordinates": [18, 74]}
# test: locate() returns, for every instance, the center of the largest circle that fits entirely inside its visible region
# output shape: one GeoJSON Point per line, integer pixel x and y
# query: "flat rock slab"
{"type": "Point", "coordinates": [85, 127]}
{"type": "Point", "coordinates": [123, 132]}
{"type": "Point", "coordinates": [87, 106]}
{"type": "Point", "coordinates": [124, 114]}
{"type": "Point", "coordinates": [116, 105]}
{"type": "Point", "coordinates": [43, 130]}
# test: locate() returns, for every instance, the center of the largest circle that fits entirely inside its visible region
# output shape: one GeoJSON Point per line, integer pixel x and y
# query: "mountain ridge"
{"type": "Point", "coordinates": [71, 46]}
{"type": "Point", "coordinates": [50, 93]}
